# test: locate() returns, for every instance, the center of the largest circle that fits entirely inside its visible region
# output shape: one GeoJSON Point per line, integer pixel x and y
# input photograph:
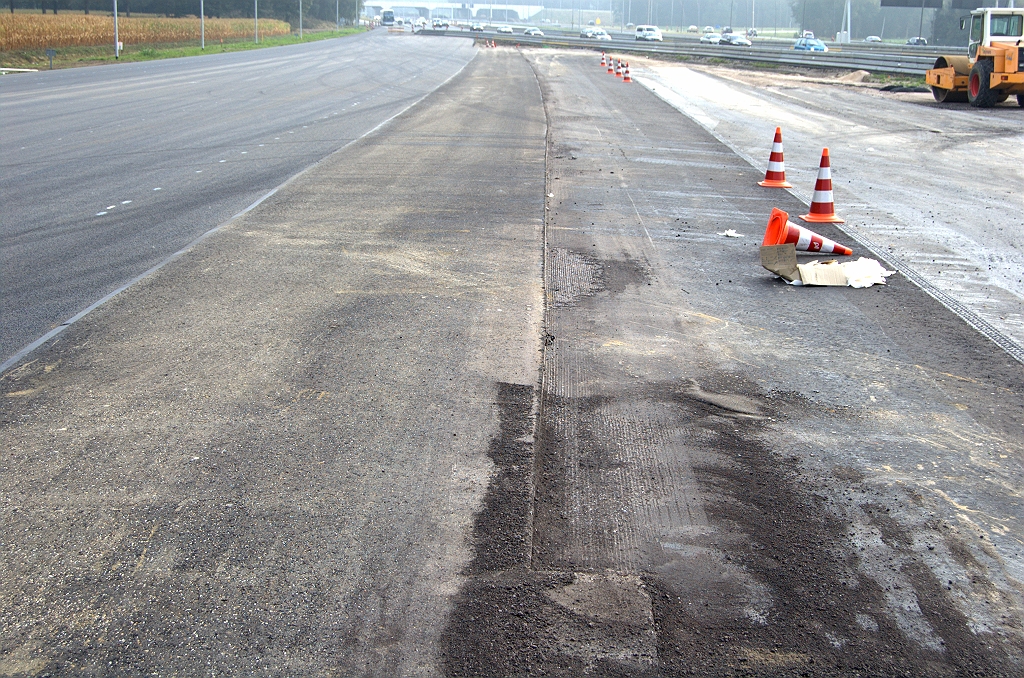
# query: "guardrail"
{"type": "Point", "coordinates": [887, 59]}
{"type": "Point", "coordinates": [900, 63]}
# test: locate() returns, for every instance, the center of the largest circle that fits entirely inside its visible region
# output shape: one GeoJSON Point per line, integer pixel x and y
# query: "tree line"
{"type": "Point", "coordinates": [285, 10]}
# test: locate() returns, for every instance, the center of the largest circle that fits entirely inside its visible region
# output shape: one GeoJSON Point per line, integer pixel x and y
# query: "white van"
{"type": "Point", "coordinates": [649, 33]}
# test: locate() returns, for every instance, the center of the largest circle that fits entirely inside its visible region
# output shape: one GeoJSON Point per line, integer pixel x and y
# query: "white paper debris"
{"type": "Point", "coordinates": [731, 234]}
{"type": "Point", "coordinates": [861, 273]}
{"type": "Point", "coordinates": [865, 273]}
{"type": "Point", "coordinates": [781, 260]}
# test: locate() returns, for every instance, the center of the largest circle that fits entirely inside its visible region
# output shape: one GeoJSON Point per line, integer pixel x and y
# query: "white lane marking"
{"type": "Point", "coordinates": [158, 189]}
{"type": "Point", "coordinates": [100, 214]}
{"type": "Point", "coordinates": [126, 202]}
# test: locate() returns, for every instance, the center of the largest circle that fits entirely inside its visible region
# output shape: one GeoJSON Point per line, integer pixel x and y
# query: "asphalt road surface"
{"type": "Point", "coordinates": [105, 172]}
{"type": "Point", "coordinates": [524, 411]}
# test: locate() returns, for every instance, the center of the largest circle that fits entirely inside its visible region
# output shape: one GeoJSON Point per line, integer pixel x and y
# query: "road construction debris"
{"type": "Point", "coordinates": [855, 76]}
{"type": "Point", "coordinates": [732, 234]}
{"type": "Point", "coordinates": [781, 260]}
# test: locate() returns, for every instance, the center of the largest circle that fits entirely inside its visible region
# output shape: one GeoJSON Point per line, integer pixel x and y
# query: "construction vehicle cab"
{"type": "Point", "coordinates": [993, 69]}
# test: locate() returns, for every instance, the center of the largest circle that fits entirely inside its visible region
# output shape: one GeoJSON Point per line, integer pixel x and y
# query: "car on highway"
{"type": "Point", "coordinates": [692, 29]}
{"type": "Point", "coordinates": [601, 34]}
{"type": "Point", "coordinates": [587, 32]}
{"type": "Point", "coordinates": [648, 33]}
{"type": "Point", "coordinates": [710, 39]}
{"type": "Point", "coordinates": [477, 27]}
{"type": "Point", "coordinates": [808, 34]}
{"type": "Point", "coordinates": [917, 42]}
{"type": "Point", "coordinates": [534, 31]}
{"type": "Point", "coordinates": [708, 29]}
{"type": "Point", "coordinates": [751, 32]}
{"type": "Point", "coordinates": [505, 29]}
{"type": "Point", "coordinates": [872, 38]}
{"type": "Point", "coordinates": [810, 45]}
{"type": "Point", "coordinates": [736, 40]}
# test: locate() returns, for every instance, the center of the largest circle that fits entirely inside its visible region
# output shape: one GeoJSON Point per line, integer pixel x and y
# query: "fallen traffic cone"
{"type": "Point", "coordinates": [625, 74]}
{"type": "Point", "coordinates": [775, 177]}
{"type": "Point", "coordinates": [781, 231]}
{"type": "Point", "coordinates": [823, 210]}
{"type": "Point", "coordinates": [618, 69]}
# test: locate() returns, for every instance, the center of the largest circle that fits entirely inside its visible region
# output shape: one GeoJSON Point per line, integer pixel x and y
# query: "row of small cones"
{"type": "Point", "coordinates": [616, 67]}
{"type": "Point", "coordinates": [782, 231]}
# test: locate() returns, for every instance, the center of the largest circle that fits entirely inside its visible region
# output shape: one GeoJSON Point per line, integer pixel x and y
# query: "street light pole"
{"type": "Point", "coordinates": [256, 20]}
{"type": "Point", "coordinates": [202, 25]}
{"type": "Point", "coordinates": [117, 45]}
{"type": "Point", "coordinates": [300, 19]}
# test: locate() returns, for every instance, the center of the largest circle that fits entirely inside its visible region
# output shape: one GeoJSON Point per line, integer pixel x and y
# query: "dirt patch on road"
{"type": "Point", "coordinates": [774, 590]}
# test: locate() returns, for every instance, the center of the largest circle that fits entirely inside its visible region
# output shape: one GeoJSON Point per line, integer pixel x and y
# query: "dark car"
{"type": "Point", "coordinates": [735, 39]}
{"type": "Point", "coordinates": [918, 41]}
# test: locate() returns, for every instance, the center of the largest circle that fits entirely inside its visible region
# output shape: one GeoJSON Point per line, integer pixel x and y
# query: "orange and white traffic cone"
{"type": "Point", "coordinates": [625, 74]}
{"type": "Point", "coordinates": [775, 177]}
{"type": "Point", "coordinates": [781, 231]}
{"type": "Point", "coordinates": [823, 209]}
{"type": "Point", "coordinates": [602, 59]}
{"type": "Point", "coordinates": [618, 69]}
{"type": "Point", "coordinates": [611, 66]}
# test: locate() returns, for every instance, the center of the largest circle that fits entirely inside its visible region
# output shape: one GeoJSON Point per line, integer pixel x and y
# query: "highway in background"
{"type": "Point", "coordinates": [105, 172]}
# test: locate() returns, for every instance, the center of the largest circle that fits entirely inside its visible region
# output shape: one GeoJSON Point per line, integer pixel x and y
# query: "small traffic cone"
{"type": "Point", "coordinates": [611, 66]}
{"type": "Point", "coordinates": [618, 69]}
{"type": "Point", "coordinates": [602, 59]}
{"type": "Point", "coordinates": [775, 177]}
{"type": "Point", "coordinates": [781, 231]}
{"type": "Point", "coordinates": [823, 210]}
{"type": "Point", "coordinates": [625, 74]}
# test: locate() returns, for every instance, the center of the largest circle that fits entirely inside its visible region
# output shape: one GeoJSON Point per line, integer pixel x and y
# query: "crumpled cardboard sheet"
{"type": "Point", "coordinates": [781, 260]}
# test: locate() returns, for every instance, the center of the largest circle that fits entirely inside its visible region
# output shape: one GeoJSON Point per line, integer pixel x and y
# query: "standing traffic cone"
{"type": "Point", "coordinates": [823, 210]}
{"type": "Point", "coordinates": [781, 231]}
{"type": "Point", "coordinates": [625, 74]}
{"type": "Point", "coordinates": [618, 69]}
{"type": "Point", "coordinates": [611, 66]}
{"type": "Point", "coordinates": [775, 177]}
{"type": "Point", "coordinates": [602, 59]}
